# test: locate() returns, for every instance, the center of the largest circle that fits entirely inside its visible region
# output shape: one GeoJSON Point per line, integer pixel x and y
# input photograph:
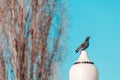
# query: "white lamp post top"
{"type": "Point", "coordinates": [83, 69]}
{"type": "Point", "coordinates": [84, 56]}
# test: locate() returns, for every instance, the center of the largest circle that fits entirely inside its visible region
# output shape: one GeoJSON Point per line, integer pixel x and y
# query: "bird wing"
{"type": "Point", "coordinates": [84, 45]}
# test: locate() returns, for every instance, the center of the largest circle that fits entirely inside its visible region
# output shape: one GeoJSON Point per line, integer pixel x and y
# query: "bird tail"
{"type": "Point", "coordinates": [76, 50]}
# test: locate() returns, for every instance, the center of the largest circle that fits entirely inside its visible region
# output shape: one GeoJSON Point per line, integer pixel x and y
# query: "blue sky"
{"type": "Point", "coordinates": [101, 20]}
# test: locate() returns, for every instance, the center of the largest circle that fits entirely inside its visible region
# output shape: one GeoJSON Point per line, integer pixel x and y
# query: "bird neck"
{"type": "Point", "coordinates": [87, 39]}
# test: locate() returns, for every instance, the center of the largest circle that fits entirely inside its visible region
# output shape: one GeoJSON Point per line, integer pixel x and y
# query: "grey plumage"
{"type": "Point", "coordinates": [84, 45]}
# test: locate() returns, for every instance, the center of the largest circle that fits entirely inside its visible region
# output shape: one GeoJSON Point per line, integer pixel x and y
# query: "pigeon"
{"type": "Point", "coordinates": [84, 45]}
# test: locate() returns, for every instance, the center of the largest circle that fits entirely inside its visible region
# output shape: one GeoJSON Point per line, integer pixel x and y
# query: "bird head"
{"type": "Point", "coordinates": [87, 38]}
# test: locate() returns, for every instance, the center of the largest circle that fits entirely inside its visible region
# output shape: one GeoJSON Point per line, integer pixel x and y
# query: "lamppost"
{"type": "Point", "coordinates": [83, 69]}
